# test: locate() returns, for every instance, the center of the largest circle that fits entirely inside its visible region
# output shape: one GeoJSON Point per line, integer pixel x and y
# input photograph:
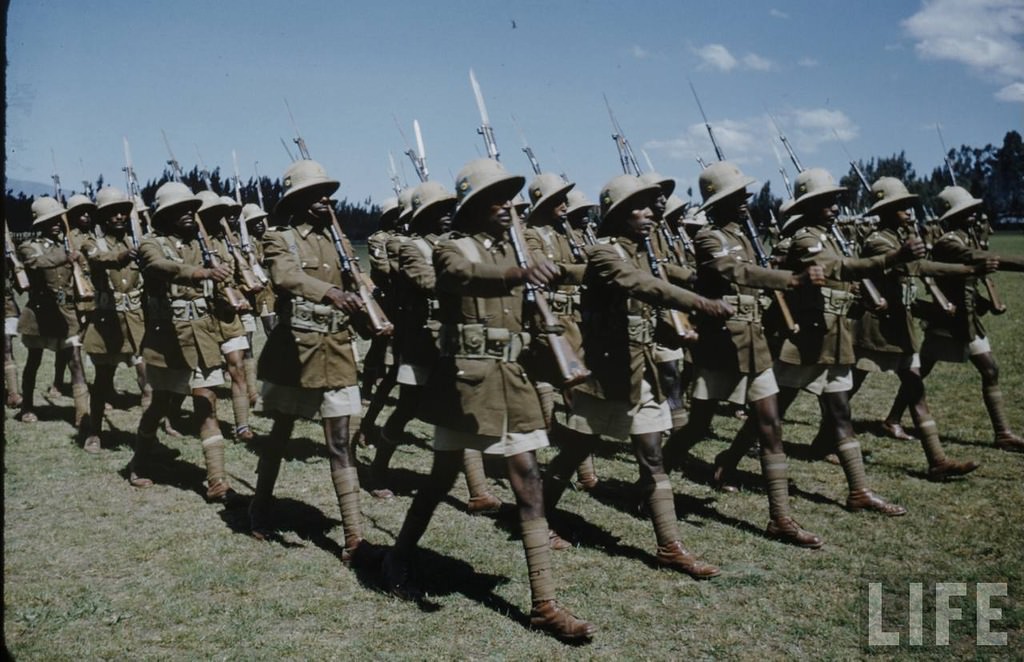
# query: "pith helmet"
{"type": "Point", "coordinates": [720, 180]}
{"type": "Point", "coordinates": [388, 212]}
{"type": "Point", "coordinates": [304, 181]}
{"type": "Point", "coordinates": [234, 208]}
{"type": "Point", "coordinates": [955, 200]}
{"type": "Point", "coordinates": [667, 184]}
{"type": "Point", "coordinates": [674, 208]}
{"type": "Point", "coordinates": [578, 202]}
{"type": "Point", "coordinates": [888, 191]}
{"type": "Point", "coordinates": [521, 204]}
{"type": "Point", "coordinates": [252, 212]}
{"type": "Point", "coordinates": [213, 207]}
{"type": "Point", "coordinates": [111, 201]}
{"type": "Point", "coordinates": [483, 179]}
{"type": "Point", "coordinates": [405, 204]}
{"type": "Point", "coordinates": [174, 199]}
{"type": "Point", "coordinates": [812, 185]}
{"type": "Point", "coordinates": [79, 204]}
{"type": "Point", "coordinates": [792, 221]}
{"type": "Point", "coordinates": [45, 209]}
{"type": "Point", "coordinates": [694, 216]}
{"type": "Point", "coordinates": [545, 189]}
{"type": "Point", "coordinates": [623, 194]}
{"type": "Point", "coordinates": [431, 196]}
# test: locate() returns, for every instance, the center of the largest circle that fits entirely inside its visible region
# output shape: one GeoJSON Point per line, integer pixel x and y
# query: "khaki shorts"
{"type": "Point", "coordinates": [948, 350]}
{"type": "Point", "coordinates": [870, 360]}
{"type": "Point", "coordinates": [617, 419]}
{"type": "Point", "coordinates": [736, 387]}
{"type": "Point", "coordinates": [815, 379]}
{"type": "Point", "coordinates": [183, 380]}
{"type": "Point", "coordinates": [248, 323]}
{"type": "Point", "coordinates": [411, 374]}
{"type": "Point", "coordinates": [238, 343]}
{"type": "Point", "coordinates": [10, 326]}
{"type": "Point", "coordinates": [52, 344]}
{"type": "Point", "coordinates": [664, 354]}
{"type": "Point", "coordinates": [308, 402]}
{"type": "Point", "coordinates": [509, 444]}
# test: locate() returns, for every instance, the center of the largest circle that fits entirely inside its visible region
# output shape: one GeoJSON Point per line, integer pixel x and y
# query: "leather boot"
{"type": "Point", "coordinates": [143, 449]}
{"type": "Point", "coordinates": [480, 498]}
{"type": "Point", "coordinates": [865, 499]}
{"type": "Point", "coordinates": [723, 476]}
{"type": "Point", "coordinates": [14, 398]}
{"type": "Point", "coordinates": [676, 557]}
{"type": "Point", "coordinates": [558, 621]}
{"type": "Point", "coordinates": [951, 468]}
{"type": "Point", "coordinates": [788, 530]}
{"type": "Point", "coordinates": [895, 431]}
{"type": "Point", "coordinates": [586, 475]}
{"type": "Point", "coordinates": [1008, 441]}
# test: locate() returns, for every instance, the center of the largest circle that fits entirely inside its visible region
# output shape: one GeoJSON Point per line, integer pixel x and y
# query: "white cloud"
{"type": "Point", "coordinates": [640, 53]}
{"type": "Point", "coordinates": [807, 62]}
{"type": "Point", "coordinates": [757, 63]}
{"type": "Point", "coordinates": [982, 34]}
{"type": "Point", "coordinates": [717, 56]}
{"type": "Point", "coordinates": [1014, 92]}
{"type": "Point", "coordinates": [778, 13]}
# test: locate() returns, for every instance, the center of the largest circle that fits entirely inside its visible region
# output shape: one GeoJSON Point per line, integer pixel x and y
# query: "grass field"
{"type": "Point", "coordinates": [94, 569]}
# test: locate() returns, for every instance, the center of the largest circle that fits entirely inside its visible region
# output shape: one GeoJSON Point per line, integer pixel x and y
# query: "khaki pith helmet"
{"type": "Point", "coordinates": [234, 209]}
{"type": "Point", "coordinates": [388, 212]}
{"type": "Point", "coordinates": [405, 204]}
{"type": "Point", "coordinates": [622, 195]}
{"type": "Point", "coordinates": [888, 191]}
{"type": "Point", "coordinates": [955, 200]}
{"type": "Point", "coordinates": [720, 180]}
{"type": "Point", "coordinates": [667, 184]}
{"type": "Point", "coordinates": [792, 221]}
{"type": "Point", "coordinates": [578, 202]}
{"type": "Point", "coordinates": [544, 190]}
{"type": "Point", "coordinates": [111, 201]}
{"type": "Point", "coordinates": [674, 208]}
{"type": "Point", "coordinates": [213, 207]}
{"type": "Point", "coordinates": [483, 179]}
{"type": "Point", "coordinates": [45, 209]}
{"type": "Point", "coordinates": [304, 182]}
{"type": "Point", "coordinates": [252, 212]}
{"type": "Point", "coordinates": [431, 196]}
{"type": "Point", "coordinates": [79, 204]}
{"type": "Point", "coordinates": [694, 216]}
{"type": "Point", "coordinates": [810, 186]}
{"type": "Point", "coordinates": [172, 200]}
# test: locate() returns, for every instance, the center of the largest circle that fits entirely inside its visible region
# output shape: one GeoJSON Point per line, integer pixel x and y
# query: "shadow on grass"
{"type": "Point", "coordinates": [52, 412]}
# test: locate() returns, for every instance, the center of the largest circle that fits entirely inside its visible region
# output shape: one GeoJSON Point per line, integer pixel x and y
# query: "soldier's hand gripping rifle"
{"type": "Point", "coordinates": [210, 260]}
{"type": "Point", "coordinates": [379, 322]}
{"type": "Point", "coordinates": [678, 320]}
{"type": "Point", "coordinates": [253, 273]}
{"type": "Point", "coordinates": [251, 284]}
{"type": "Point", "coordinates": [83, 286]}
{"type": "Point", "coordinates": [13, 263]}
{"type": "Point", "coordinates": [570, 366]}
{"type": "Point", "coordinates": [936, 293]}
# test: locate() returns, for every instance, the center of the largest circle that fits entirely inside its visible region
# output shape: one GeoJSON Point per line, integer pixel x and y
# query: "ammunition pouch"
{"type": "Point", "coordinates": [836, 302]}
{"type": "Point", "coordinates": [909, 292]}
{"type": "Point", "coordinates": [119, 301]}
{"type": "Point", "coordinates": [184, 310]}
{"type": "Point", "coordinates": [563, 304]}
{"type": "Point", "coordinates": [477, 341]}
{"type": "Point", "coordinates": [639, 330]}
{"type": "Point", "coordinates": [747, 307]}
{"type": "Point", "coordinates": [319, 317]}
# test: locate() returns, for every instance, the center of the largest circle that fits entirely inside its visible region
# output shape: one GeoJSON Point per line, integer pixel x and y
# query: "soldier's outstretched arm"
{"type": "Point", "coordinates": [287, 273]}
{"type": "Point", "coordinates": [459, 275]}
{"type": "Point", "coordinates": [713, 255]}
{"type": "Point", "coordinates": [414, 266]}
{"type": "Point", "coordinates": [156, 265]}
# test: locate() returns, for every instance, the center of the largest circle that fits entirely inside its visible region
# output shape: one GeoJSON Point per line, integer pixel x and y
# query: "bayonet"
{"type": "Point", "coordinates": [303, 151]}
{"type": "Point", "coordinates": [204, 173]}
{"type": "Point", "coordinates": [647, 160]}
{"type": "Point", "coordinates": [853, 164]}
{"type": "Point", "coordinates": [176, 173]}
{"type": "Point", "coordinates": [945, 155]}
{"type": "Point", "coordinates": [782, 170]}
{"type": "Point", "coordinates": [288, 151]}
{"type": "Point", "coordinates": [526, 147]}
{"type": "Point", "coordinates": [627, 159]}
{"type": "Point", "coordinates": [135, 191]}
{"type": "Point", "coordinates": [57, 192]}
{"type": "Point", "coordinates": [86, 184]}
{"type": "Point", "coordinates": [707, 125]}
{"type": "Point", "coordinates": [789, 148]}
{"type": "Point", "coordinates": [485, 130]}
{"type": "Point", "coordinates": [259, 186]}
{"type": "Point", "coordinates": [396, 183]}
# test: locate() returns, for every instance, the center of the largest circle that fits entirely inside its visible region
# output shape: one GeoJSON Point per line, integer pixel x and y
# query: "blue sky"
{"type": "Point", "coordinates": [82, 74]}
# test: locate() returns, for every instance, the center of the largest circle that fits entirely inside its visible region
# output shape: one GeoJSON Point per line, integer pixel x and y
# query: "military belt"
{"type": "Point", "coordinates": [909, 293]}
{"type": "Point", "coordinates": [319, 317]}
{"type": "Point", "coordinates": [563, 303]}
{"type": "Point", "coordinates": [640, 330]}
{"type": "Point", "coordinates": [746, 306]}
{"type": "Point", "coordinates": [119, 301]}
{"type": "Point", "coordinates": [186, 310]}
{"type": "Point", "coordinates": [477, 341]}
{"type": "Point", "coordinates": [837, 302]}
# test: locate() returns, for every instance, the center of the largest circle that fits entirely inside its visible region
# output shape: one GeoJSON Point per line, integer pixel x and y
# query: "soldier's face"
{"type": "Point", "coordinates": [659, 206]}
{"type": "Point", "coordinates": [499, 218]}
{"type": "Point", "coordinates": [828, 209]}
{"type": "Point", "coordinates": [83, 221]}
{"type": "Point", "coordinates": [257, 228]}
{"type": "Point", "coordinates": [905, 215]}
{"type": "Point", "coordinates": [53, 230]}
{"type": "Point", "coordinates": [117, 223]}
{"type": "Point", "coordinates": [732, 209]}
{"type": "Point", "coordinates": [320, 211]}
{"type": "Point", "coordinates": [185, 225]}
{"type": "Point", "coordinates": [640, 223]}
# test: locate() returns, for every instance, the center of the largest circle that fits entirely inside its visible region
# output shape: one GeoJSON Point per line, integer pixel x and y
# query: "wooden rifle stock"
{"type": "Point", "coordinates": [763, 260]}
{"type": "Point", "coordinates": [250, 283]}
{"type": "Point", "coordinates": [574, 244]}
{"type": "Point", "coordinates": [20, 275]}
{"type": "Point", "coordinates": [874, 296]}
{"type": "Point", "coordinates": [680, 321]}
{"type": "Point", "coordinates": [379, 322]}
{"type": "Point", "coordinates": [83, 286]}
{"type": "Point", "coordinates": [933, 288]}
{"type": "Point", "coordinates": [571, 367]}
{"type": "Point", "coordinates": [234, 297]}
{"type": "Point", "coordinates": [998, 307]}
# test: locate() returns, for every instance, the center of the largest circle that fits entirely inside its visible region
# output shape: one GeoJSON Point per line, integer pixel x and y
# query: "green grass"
{"type": "Point", "coordinates": [97, 570]}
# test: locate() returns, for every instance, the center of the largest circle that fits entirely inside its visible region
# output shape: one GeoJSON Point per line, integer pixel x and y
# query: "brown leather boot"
{"type": "Point", "coordinates": [895, 431]}
{"type": "Point", "coordinates": [259, 520]}
{"type": "Point", "coordinates": [787, 529]}
{"type": "Point", "coordinates": [556, 620]}
{"type": "Point", "coordinates": [483, 503]}
{"type": "Point", "coordinates": [676, 557]}
{"type": "Point", "coordinates": [723, 478]}
{"type": "Point", "coordinates": [92, 444]}
{"type": "Point", "coordinates": [556, 542]}
{"type": "Point", "coordinates": [218, 489]}
{"type": "Point", "coordinates": [867, 500]}
{"type": "Point", "coordinates": [1008, 441]}
{"type": "Point", "coordinates": [950, 468]}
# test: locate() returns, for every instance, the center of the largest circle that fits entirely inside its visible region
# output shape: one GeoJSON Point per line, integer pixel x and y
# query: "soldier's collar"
{"type": "Point", "coordinates": [487, 240]}
{"type": "Point", "coordinates": [304, 229]}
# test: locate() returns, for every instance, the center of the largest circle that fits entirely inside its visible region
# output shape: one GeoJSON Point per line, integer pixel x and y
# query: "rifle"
{"type": "Point", "coordinates": [485, 130]}
{"type": "Point", "coordinates": [303, 151]}
{"type": "Point", "coordinates": [176, 173]}
{"type": "Point", "coordinates": [396, 183]}
{"type": "Point", "coordinates": [933, 288]}
{"type": "Point", "coordinates": [20, 275]}
{"type": "Point", "coordinates": [679, 320]}
{"type": "Point", "coordinates": [252, 267]}
{"type": "Point", "coordinates": [707, 125]}
{"type": "Point", "coordinates": [234, 297]}
{"type": "Point", "coordinates": [526, 148]}
{"type": "Point", "coordinates": [570, 236]}
{"type": "Point", "coordinates": [135, 192]}
{"type": "Point", "coordinates": [83, 287]}
{"type": "Point", "coordinates": [627, 159]}
{"type": "Point", "coordinates": [86, 184]}
{"type": "Point", "coordinates": [945, 155]}
{"type": "Point", "coordinates": [571, 367]}
{"type": "Point", "coordinates": [259, 184]}
{"type": "Point", "coordinates": [365, 288]}
{"type": "Point", "coordinates": [204, 173]}
{"type": "Point", "coordinates": [58, 194]}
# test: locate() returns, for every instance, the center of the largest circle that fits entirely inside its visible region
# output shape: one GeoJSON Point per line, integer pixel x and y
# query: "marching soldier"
{"type": "Point", "coordinates": [961, 337]}
{"type": "Point", "coordinates": [50, 319]}
{"type": "Point", "coordinates": [374, 366]}
{"type": "Point", "coordinates": [11, 314]}
{"type": "Point", "coordinates": [308, 365]}
{"type": "Point", "coordinates": [479, 396]}
{"type": "Point", "coordinates": [182, 346]}
{"type": "Point", "coordinates": [887, 340]}
{"type": "Point", "coordinates": [623, 397]}
{"type": "Point", "coordinates": [262, 302]}
{"type": "Point", "coordinates": [117, 326]}
{"type": "Point", "coordinates": [733, 361]}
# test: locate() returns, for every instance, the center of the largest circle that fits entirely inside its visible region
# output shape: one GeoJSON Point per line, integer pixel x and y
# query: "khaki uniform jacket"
{"type": "Point", "coordinates": [50, 311]}
{"type": "Point", "coordinates": [470, 390]}
{"type": "Point", "coordinates": [727, 266]}
{"type": "Point", "coordinates": [894, 330]}
{"type": "Point", "coordinates": [960, 246]}
{"type": "Point", "coordinates": [78, 240]}
{"type": "Point", "coordinates": [825, 337]}
{"type": "Point", "coordinates": [11, 308]}
{"type": "Point", "coordinates": [303, 266]}
{"type": "Point", "coordinates": [117, 324]}
{"type": "Point", "coordinates": [620, 298]}
{"type": "Point", "coordinates": [416, 325]}
{"type": "Point", "coordinates": [169, 264]}
{"type": "Point", "coordinates": [264, 301]}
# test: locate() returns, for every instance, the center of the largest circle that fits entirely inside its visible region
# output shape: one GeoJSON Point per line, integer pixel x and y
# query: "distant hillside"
{"type": "Point", "coordinates": [30, 189]}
